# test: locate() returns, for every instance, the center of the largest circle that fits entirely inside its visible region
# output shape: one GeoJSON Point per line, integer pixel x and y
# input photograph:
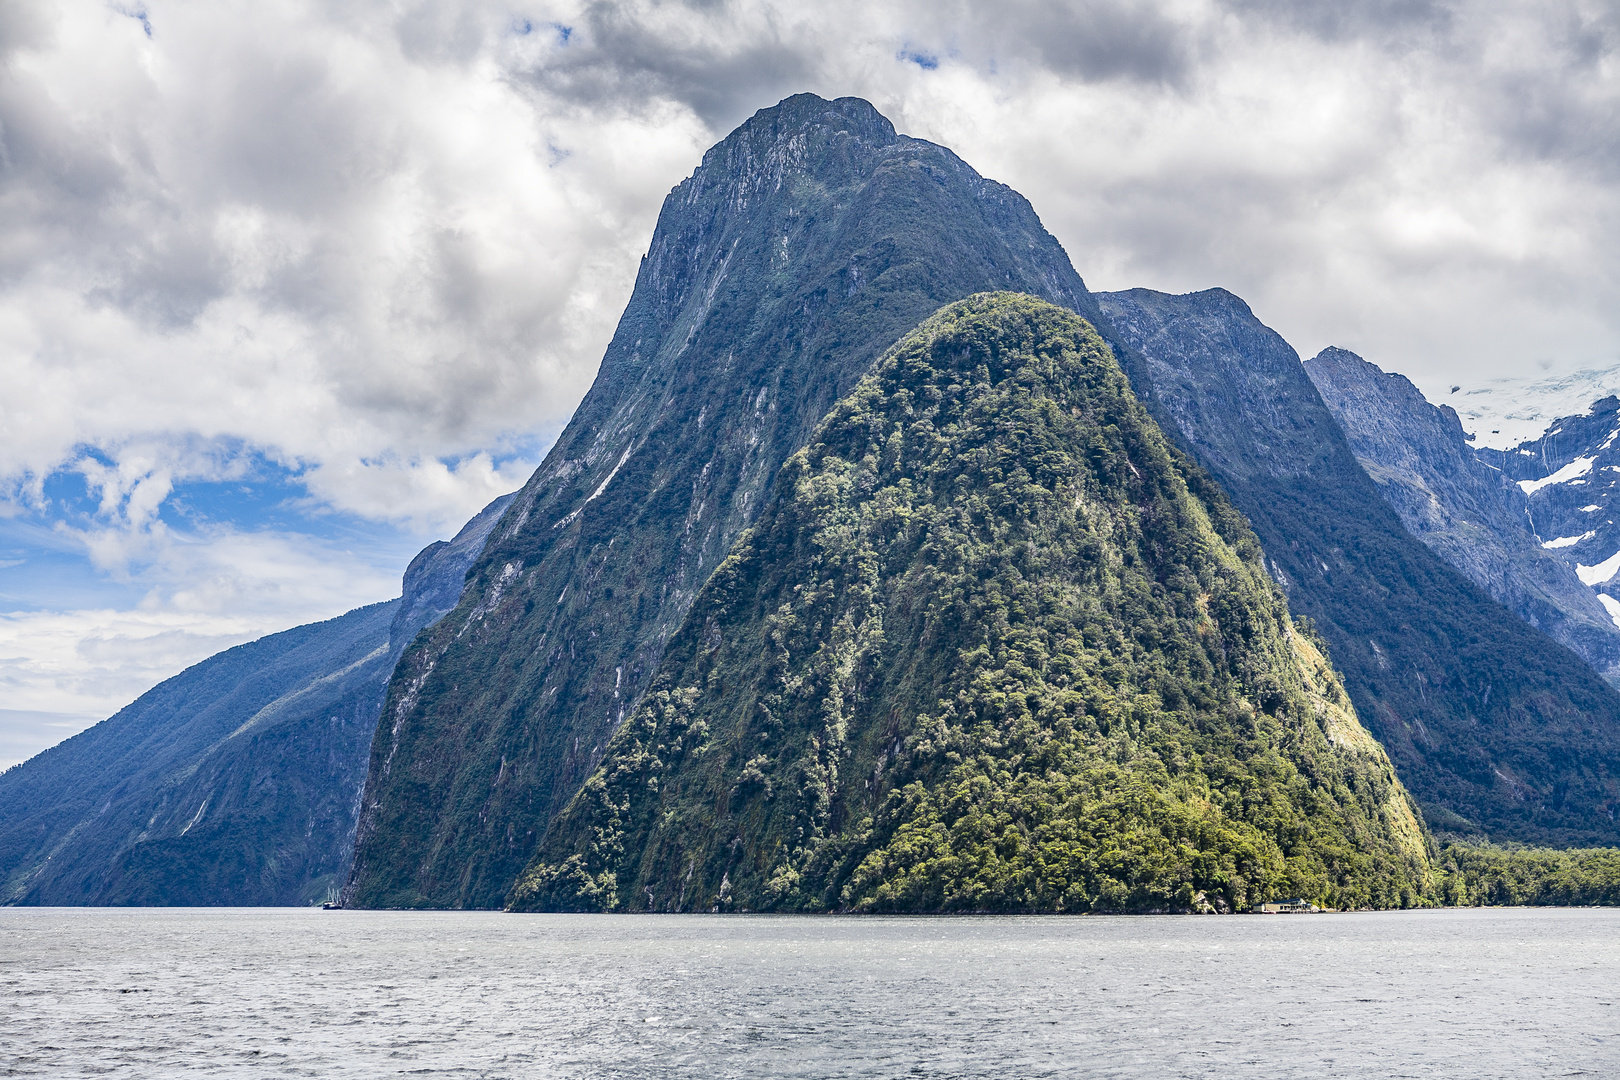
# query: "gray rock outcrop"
{"type": "Point", "coordinates": [1472, 514]}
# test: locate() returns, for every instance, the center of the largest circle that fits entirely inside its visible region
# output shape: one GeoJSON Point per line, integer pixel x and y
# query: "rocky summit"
{"type": "Point", "coordinates": [806, 244]}
{"type": "Point", "coordinates": [993, 646]}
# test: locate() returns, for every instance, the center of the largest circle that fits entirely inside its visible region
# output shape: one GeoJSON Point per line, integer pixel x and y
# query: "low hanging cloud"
{"type": "Point", "coordinates": [378, 249]}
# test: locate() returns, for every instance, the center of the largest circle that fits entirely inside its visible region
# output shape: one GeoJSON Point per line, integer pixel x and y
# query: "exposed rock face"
{"type": "Point", "coordinates": [808, 241]}
{"type": "Point", "coordinates": [1569, 478]}
{"type": "Point", "coordinates": [1485, 717]}
{"type": "Point", "coordinates": [1469, 513]}
{"type": "Point", "coordinates": [987, 651]}
{"type": "Point", "coordinates": [237, 782]}
{"type": "Point", "coordinates": [435, 578]}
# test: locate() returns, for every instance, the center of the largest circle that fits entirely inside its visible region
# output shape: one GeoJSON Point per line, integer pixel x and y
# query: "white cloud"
{"type": "Point", "coordinates": [280, 225]}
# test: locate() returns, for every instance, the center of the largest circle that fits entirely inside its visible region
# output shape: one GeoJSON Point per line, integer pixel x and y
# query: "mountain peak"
{"type": "Point", "coordinates": [809, 241]}
{"type": "Point", "coordinates": [783, 135]}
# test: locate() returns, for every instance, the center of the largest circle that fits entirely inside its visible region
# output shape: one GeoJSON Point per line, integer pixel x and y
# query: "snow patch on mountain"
{"type": "Point", "coordinates": [1600, 574]}
{"type": "Point", "coordinates": [1575, 469]}
{"type": "Point", "coordinates": [1568, 541]}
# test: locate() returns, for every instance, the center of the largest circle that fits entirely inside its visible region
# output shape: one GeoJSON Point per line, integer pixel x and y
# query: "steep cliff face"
{"type": "Point", "coordinates": [237, 782]}
{"type": "Point", "coordinates": [1492, 725]}
{"type": "Point", "coordinates": [1569, 478]}
{"type": "Point", "coordinates": [1470, 514]}
{"type": "Point", "coordinates": [805, 244]}
{"type": "Point", "coordinates": [986, 651]}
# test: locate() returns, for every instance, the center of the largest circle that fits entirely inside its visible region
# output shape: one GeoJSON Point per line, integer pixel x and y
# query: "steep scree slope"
{"type": "Point", "coordinates": [1492, 725]}
{"type": "Point", "coordinates": [237, 782]}
{"type": "Point", "coordinates": [807, 242]}
{"type": "Point", "coordinates": [986, 651]}
{"type": "Point", "coordinates": [1469, 513]}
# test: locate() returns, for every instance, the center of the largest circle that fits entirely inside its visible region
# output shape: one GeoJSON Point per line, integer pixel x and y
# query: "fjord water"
{"type": "Point", "coordinates": [266, 992]}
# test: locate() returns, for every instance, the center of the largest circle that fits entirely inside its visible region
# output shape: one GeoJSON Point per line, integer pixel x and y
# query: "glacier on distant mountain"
{"type": "Point", "coordinates": [1502, 413]}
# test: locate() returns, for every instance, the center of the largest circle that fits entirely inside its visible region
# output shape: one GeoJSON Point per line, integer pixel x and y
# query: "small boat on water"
{"type": "Point", "coordinates": [333, 901]}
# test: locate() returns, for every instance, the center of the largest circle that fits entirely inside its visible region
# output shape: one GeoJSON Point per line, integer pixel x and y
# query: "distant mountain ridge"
{"type": "Point", "coordinates": [987, 650]}
{"type": "Point", "coordinates": [1471, 513]}
{"type": "Point", "coordinates": [1494, 727]}
{"type": "Point", "coordinates": [1569, 478]}
{"type": "Point", "coordinates": [236, 782]}
{"type": "Point", "coordinates": [1499, 414]}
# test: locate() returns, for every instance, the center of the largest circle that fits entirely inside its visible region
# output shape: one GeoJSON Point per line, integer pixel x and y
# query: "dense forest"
{"type": "Point", "coordinates": [1474, 874]}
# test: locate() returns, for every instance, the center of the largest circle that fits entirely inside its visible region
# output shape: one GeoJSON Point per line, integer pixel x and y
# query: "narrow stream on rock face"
{"type": "Point", "coordinates": [268, 992]}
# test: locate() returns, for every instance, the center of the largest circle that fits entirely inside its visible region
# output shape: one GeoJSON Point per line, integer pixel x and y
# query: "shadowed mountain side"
{"type": "Point", "coordinates": [986, 651]}
{"type": "Point", "coordinates": [1467, 512]}
{"type": "Point", "coordinates": [77, 820]}
{"type": "Point", "coordinates": [806, 243]}
{"type": "Point", "coordinates": [1491, 724]}
{"type": "Point", "coordinates": [237, 782]}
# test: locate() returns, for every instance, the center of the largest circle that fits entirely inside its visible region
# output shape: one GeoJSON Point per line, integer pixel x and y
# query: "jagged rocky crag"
{"type": "Point", "coordinates": [1469, 513]}
{"type": "Point", "coordinates": [1569, 477]}
{"type": "Point", "coordinates": [1493, 726]}
{"type": "Point", "coordinates": [986, 650]}
{"type": "Point", "coordinates": [807, 242]}
{"type": "Point", "coordinates": [237, 782]}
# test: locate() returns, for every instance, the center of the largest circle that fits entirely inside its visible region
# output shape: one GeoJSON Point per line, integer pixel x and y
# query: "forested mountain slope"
{"type": "Point", "coordinates": [807, 242]}
{"type": "Point", "coordinates": [1469, 513]}
{"type": "Point", "coordinates": [237, 782]}
{"type": "Point", "coordinates": [993, 646]}
{"type": "Point", "coordinates": [1493, 726]}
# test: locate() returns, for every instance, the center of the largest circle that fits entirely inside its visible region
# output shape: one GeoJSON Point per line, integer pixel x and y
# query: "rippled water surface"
{"type": "Point", "coordinates": [222, 992]}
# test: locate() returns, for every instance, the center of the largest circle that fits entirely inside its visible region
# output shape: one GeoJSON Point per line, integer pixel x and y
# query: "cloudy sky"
{"type": "Point", "coordinates": [290, 288]}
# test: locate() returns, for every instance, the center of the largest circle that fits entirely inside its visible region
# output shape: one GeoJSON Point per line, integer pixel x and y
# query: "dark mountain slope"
{"type": "Point", "coordinates": [237, 782]}
{"type": "Point", "coordinates": [1484, 717]}
{"type": "Point", "coordinates": [1469, 513]}
{"type": "Point", "coordinates": [986, 651]}
{"type": "Point", "coordinates": [807, 242]}
{"type": "Point", "coordinates": [71, 815]}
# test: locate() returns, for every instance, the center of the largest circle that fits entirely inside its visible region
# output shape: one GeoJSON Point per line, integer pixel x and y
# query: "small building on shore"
{"type": "Point", "coordinates": [1296, 906]}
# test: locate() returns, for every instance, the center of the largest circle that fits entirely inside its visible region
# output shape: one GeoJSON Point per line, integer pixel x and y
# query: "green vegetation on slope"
{"type": "Point", "coordinates": [1470, 875]}
{"type": "Point", "coordinates": [986, 651]}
